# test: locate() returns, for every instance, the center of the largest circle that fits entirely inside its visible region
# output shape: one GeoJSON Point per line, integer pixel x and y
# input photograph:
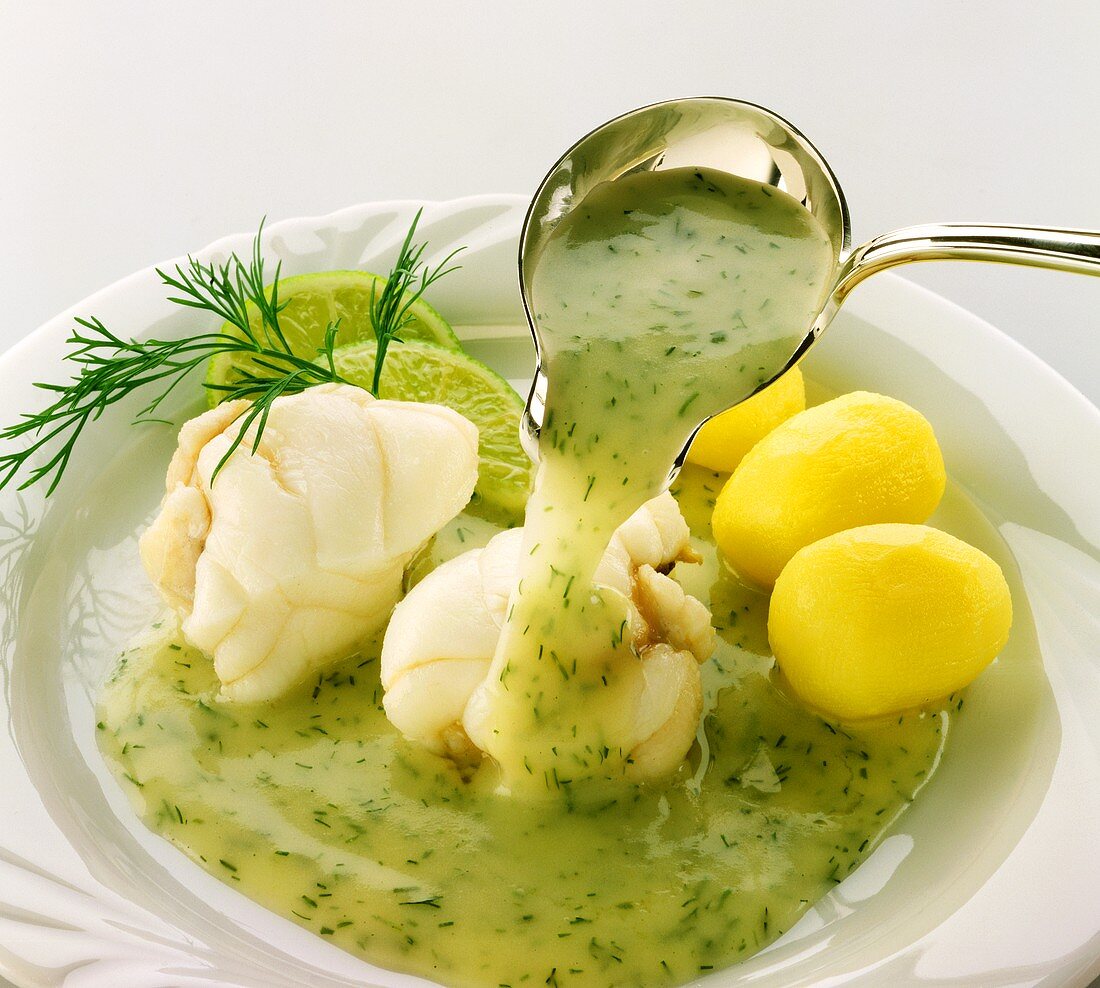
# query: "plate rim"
{"type": "Point", "coordinates": [31, 348]}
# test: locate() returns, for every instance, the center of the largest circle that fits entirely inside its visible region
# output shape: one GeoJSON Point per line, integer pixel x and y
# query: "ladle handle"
{"type": "Point", "coordinates": [1062, 250]}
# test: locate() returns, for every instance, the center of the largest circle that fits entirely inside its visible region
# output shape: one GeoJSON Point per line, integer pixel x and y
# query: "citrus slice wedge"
{"type": "Point", "coordinates": [315, 300]}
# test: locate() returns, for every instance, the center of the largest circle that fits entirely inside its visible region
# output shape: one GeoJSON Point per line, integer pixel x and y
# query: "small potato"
{"type": "Point", "coordinates": [725, 439]}
{"type": "Point", "coordinates": [886, 618]}
{"type": "Point", "coordinates": [860, 459]}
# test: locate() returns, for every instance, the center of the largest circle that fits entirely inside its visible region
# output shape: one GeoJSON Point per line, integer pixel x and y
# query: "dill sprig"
{"type": "Point", "coordinates": [110, 367]}
{"type": "Point", "coordinates": [409, 279]}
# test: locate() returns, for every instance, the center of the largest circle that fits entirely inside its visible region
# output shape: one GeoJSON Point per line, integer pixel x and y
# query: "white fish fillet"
{"type": "Point", "coordinates": [441, 639]}
{"type": "Point", "coordinates": [294, 555]}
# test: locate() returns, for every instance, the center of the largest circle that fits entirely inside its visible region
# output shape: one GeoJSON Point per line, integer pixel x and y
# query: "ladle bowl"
{"type": "Point", "coordinates": [754, 143]}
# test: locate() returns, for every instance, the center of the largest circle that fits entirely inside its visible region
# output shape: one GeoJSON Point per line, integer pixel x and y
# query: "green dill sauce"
{"type": "Point", "coordinates": [671, 297]}
{"type": "Point", "coordinates": [661, 299]}
{"type": "Point", "coordinates": [316, 808]}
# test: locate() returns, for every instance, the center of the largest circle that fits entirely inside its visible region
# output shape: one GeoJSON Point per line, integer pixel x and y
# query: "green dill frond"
{"type": "Point", "coordinates": [110, 367]}
{"type": "Point", "coordinates": [407, 281]}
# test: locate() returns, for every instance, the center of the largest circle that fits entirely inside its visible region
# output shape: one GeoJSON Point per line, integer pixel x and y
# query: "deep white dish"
{"type": "Point", "coordinates": [992, 877]}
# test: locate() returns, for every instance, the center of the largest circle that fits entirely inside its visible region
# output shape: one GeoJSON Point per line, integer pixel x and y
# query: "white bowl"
{"type": "Point", "coordinates": [992, 877]}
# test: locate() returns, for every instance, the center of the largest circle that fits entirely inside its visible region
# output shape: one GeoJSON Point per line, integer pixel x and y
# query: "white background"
{"type": "Point", "coordinates": [134, 131]}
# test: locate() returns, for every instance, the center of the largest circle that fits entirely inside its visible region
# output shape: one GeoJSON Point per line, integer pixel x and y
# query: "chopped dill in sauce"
{"type": "Point", "coordinates": [316, 808]}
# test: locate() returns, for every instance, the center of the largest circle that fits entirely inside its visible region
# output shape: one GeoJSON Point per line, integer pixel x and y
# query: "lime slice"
{"type": "Point", "coordinates": [428, 373]}
{"type": "Point", "coordinates": [315, 300]}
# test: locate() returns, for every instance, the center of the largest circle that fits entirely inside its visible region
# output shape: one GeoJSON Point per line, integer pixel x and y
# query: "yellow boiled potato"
{"type": "Point", "coordinates": [727, 437]}
{"type": "Point", "coordinates": [885, 618]}
{"type": "Point", "coordinates": [859, 459]}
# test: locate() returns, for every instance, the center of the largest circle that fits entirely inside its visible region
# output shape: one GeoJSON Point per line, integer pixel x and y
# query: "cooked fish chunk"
{"type": "Point", "coordinates": [441, 639]}
{"type": "Point", "coordinates": [293, 556]}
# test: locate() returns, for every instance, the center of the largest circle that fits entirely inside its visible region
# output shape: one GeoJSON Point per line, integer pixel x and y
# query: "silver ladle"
{"type": "Point", "coordinates": [751, 142]}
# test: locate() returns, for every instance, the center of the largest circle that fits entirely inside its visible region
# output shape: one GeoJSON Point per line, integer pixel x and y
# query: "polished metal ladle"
{"type": "Point", "coordinates": [751, 142]}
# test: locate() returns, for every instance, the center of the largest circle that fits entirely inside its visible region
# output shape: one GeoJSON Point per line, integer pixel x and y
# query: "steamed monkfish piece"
{"type": "Point", "coordinates": [440, 642]}
{"type": "Point", "coordinates": [293, 555]}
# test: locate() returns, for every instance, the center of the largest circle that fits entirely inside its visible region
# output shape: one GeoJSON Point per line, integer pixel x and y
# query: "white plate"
{"type": "Point", "coordinates": [992, 878]}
